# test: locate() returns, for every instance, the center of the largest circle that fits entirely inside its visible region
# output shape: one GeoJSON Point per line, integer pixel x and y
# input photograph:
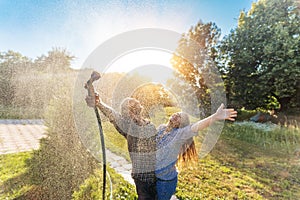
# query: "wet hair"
{"type": "Point", "coordinates": [128, 113]}
{"type": "Point", "coordinates": [188, 152]}
{"type": "Point", "coordinates": [125, 107]}
{"type": "Point", "coordinates": [184, 119]}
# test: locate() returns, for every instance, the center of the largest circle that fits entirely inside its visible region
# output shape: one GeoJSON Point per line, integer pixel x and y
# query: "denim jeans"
{"type": "Point", "coordinates": [166, 188]}
{"type": "Point", "coordinates": [145, 190]}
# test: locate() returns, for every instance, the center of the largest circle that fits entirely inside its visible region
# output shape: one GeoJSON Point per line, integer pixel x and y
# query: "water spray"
{"type": "Point", "coordinates": [91, 92]}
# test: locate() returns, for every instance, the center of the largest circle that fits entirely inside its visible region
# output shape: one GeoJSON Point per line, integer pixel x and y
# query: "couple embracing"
{"type": "Point", "coordinates": [154, 152]}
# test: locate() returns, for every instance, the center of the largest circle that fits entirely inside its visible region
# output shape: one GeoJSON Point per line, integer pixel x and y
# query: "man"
{"type": "Point", "coordinates": [140, 135]}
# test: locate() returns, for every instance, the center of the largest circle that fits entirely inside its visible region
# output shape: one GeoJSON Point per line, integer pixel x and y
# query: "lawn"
{"type": "Point", "coordinates": [249, 161]}
{"type": "Point", "coordinates": [13, 179]}
{"type": "Point", "coordinates": [239, 170]}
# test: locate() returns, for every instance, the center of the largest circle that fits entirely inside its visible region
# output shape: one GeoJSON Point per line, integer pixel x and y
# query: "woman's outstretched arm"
{"type": "Point", "coordinates": [220, 114]}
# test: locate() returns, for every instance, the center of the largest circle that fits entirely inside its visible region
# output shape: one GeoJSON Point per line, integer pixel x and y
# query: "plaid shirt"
{"type": "Point", "coordinates": [141, 141]}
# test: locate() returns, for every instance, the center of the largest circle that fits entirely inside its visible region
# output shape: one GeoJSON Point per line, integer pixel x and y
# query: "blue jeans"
{"type": "Point", "coordinates": [166, 188]}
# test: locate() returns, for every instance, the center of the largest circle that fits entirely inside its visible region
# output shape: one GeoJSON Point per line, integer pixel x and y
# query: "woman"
{"type": "Point", "coordinates": [175, 140]}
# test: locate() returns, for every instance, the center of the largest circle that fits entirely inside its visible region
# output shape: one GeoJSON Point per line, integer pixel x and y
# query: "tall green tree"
{"type": "Point", "coordinates": [260, 58]}
{"type": "Point", "coordinates": [194, 60]}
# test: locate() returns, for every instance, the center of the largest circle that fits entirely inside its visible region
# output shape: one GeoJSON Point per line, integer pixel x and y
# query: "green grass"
{"type": "Point", "coordinates": [248, 162]}
{"type": "Point", "coordinates": [14, 183]}
{"type": "Point", "coordinates": [239, 169]}
{"type": "Point", "coordinates": [13, 179]}
{"type": "Point", "coordinates": [234, 171]}
{"type": "Point", "coordinates": [91, 189]}
{"type": "Point", "coordinates": [114, 141]}
{"type": "Point", "coordinates": [268, 136]}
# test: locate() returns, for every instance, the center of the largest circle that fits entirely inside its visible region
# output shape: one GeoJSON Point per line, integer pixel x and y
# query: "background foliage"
{"type": "Point", "coordinates": [261, 58]}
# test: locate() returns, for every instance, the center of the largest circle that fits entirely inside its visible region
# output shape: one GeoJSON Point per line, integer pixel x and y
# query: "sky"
{"type": "Point", "coordinates": [35, 27]}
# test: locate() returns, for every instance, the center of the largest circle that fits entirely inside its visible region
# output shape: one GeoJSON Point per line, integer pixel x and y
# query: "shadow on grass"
{"type": "Point", "coordinates": [23, 187]}
{"type": "Point", "coordinates": [19, 186]}
{"type": "Point", "coordinates": [277, 171]}
{"type": "Point", "coordinates": [16, 186]}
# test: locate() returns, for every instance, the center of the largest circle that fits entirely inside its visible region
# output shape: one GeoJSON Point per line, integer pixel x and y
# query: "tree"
{"type": "Point", "coordinates": [27, 86]}
{"type": "Point", "coordinates": [57, 60]}
{"type": "Point", "coordinates": [10, 64]}
{"type": "Point", "coordinates": [152, 97]}
{"type": "Point", "coordinates": [260, 59]}
{"type": "Point", "coordinates": [194, 60]}
{"type": "Point", "coordinates": [125, 87]}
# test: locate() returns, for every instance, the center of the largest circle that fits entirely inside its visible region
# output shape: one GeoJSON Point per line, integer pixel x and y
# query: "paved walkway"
{"type": "Point", "coordinates": [20, 135]}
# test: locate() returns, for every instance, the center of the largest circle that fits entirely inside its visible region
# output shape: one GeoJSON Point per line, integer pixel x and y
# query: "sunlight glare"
{"type": "Point", "coordinates": [151, 63]}
{"type": "Point", "coordinates": [135, 59]}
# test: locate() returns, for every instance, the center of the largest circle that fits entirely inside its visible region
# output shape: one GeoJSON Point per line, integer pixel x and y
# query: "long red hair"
{"type": "Point", "coordinates": [188, 153]}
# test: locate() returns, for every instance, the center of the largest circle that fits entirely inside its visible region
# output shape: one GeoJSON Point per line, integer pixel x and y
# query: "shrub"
{"type": "Point", "coordinates": [62, 163]}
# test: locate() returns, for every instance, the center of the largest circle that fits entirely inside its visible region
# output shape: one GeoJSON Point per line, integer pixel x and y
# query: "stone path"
{"type": "Point", "coordinates": [120, 164]}
{"type": "Point", "coordinates": [20, 135]}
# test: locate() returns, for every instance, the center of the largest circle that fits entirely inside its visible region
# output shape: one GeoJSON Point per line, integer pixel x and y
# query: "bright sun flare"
{"type": "Point", "coordinates": [154, 64]}
{"type": "Point", "coordinates": [139, 58]}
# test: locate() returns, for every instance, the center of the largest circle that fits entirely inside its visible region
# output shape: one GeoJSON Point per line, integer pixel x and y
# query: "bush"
{"type": "Point", "coordinates": [62, 163]}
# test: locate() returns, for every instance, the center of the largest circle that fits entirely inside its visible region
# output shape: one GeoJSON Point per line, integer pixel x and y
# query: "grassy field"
{"type": "Point", "coordinates": [249, 161]}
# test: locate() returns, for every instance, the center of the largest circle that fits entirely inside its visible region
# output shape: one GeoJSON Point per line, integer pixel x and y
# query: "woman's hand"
{"type": "Point", "coordinates": [222, 114]}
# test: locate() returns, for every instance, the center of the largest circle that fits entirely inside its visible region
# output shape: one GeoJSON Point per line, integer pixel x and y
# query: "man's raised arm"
{"type": "Point", "coordinates": [114, 117]}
